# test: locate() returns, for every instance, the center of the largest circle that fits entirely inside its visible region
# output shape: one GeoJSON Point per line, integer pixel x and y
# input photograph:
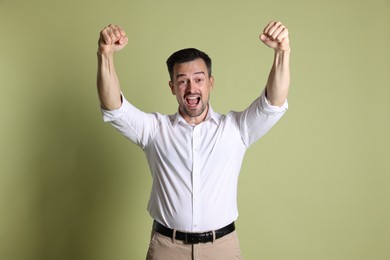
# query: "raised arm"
{"type": "Point", "coordinates": [275, 36]}
{"type": "Point", "coordinates": [112, 39]}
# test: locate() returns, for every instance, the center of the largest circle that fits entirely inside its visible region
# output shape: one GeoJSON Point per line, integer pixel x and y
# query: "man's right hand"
{"type": "Point", "coordinates": [112, 39]}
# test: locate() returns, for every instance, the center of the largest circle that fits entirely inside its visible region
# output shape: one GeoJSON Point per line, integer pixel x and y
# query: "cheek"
{"type": "Point", "coordinates": [175, 90]}
{"type": "Point", "coordinates": [178, 93]}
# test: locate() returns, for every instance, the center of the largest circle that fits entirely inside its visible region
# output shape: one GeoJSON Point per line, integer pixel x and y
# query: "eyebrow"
{"type": "Point", "coordinates": [181, 75]}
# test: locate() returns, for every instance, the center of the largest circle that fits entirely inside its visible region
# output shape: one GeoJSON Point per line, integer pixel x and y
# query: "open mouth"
{"type": "Point", "coordinates": [192, 101]}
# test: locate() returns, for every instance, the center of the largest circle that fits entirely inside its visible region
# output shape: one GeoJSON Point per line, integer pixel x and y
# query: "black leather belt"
{"type": "Point", "coordinates": [193, 238]}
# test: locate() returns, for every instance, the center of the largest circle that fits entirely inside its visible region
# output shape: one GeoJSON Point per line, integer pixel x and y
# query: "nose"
{"type": "Point", "coordinates": [190, 86]}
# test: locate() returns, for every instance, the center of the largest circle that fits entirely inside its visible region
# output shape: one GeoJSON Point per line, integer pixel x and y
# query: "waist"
{"type": "Point", "coordinates": [193, 238]}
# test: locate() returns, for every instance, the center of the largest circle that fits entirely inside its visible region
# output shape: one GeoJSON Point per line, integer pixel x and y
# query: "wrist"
{"type": "Point", "coordinates": [280, 51]}
{"type": "Point", "coordinates": [107, 55]}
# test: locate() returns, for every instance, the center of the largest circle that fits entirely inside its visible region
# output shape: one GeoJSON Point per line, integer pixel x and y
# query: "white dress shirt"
{"type": "Point", "coordinates": [195, 168]}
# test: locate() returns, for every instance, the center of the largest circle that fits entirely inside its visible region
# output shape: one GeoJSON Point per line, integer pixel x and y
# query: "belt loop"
{"type": "Point", "coordinates": [213, 235]}
{"type": "Point", "coordinates": [174, 236]}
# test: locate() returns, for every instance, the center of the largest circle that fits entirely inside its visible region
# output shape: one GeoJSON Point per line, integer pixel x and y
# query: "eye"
{"type": "Point", "coordinates": [199, 80]}
{"type": "Point", "coordinates": [182, 82]}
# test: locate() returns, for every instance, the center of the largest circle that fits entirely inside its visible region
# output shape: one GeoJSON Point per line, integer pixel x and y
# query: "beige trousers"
{"type": "Point", "coordinates": [165, 248]}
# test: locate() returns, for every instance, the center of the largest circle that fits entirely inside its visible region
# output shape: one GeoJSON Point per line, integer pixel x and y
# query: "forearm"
{"type": "Point", "coordinates": [107, 83]}
{"type": "Point", "coordinates": [279, 78]}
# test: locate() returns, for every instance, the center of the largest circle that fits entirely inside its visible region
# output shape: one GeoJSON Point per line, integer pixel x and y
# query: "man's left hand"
{"type": "Point", "coordinates": [275, 36]}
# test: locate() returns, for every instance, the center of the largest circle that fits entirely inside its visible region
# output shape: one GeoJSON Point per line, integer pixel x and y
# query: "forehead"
{"type": "Point", "coordinates": [190, 68]}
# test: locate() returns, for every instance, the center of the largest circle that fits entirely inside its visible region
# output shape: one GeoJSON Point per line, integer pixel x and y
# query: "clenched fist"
{"type": "Point", "coordinates": [112, 39]}
{"type": "Point", "coordinates": [275, 36]}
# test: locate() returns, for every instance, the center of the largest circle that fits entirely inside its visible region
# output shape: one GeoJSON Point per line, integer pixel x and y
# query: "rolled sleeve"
{"type": "Point", "coordinates": [270, 109]}
{"type": "Point", "coordinates": [116, 114]}
{"type": "Point", "coordinates": [259, 118]}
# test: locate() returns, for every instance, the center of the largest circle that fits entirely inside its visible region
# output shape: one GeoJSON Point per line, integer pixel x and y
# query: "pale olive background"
{"type": "Point", "coordinates": [316, 187]}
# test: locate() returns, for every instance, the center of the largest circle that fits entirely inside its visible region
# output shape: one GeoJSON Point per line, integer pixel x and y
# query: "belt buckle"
{"type": "Point", "coordinates": [191, 238]}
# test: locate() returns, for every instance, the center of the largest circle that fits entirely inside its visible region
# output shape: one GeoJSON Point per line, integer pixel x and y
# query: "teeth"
{"type": "Point", "coordinates": [193, 101]}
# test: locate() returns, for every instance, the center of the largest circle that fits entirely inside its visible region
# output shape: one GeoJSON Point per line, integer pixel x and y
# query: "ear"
{"type": "Point", "coordinates": [171, 86]}
{"type": "Point", "coordinates": [211, 82]}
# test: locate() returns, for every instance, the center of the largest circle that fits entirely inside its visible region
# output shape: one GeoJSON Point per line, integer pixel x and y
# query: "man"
{"type": "Point", "coordinates": [194, 155]}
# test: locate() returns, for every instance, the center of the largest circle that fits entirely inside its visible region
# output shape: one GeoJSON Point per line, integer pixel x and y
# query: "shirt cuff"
{"type": "Point", "coordinates": [270, 109]}
{"type": "Point", "coordinates": [112, 115]}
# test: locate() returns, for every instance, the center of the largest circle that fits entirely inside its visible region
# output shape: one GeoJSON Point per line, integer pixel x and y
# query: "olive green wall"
{"type": "Point", "coordinates": [317, 187]}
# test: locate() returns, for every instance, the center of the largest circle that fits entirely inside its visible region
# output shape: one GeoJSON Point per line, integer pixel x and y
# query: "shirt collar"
{"type": "Point", "coordinates": [211, 115]}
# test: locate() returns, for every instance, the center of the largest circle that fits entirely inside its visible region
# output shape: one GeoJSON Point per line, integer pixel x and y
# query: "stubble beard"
{"type": "Point", "coordinates": [195, 112]}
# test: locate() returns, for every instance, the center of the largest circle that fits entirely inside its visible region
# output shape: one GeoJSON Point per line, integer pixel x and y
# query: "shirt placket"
{"type": "Point", "coordinates": [196, 182]}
